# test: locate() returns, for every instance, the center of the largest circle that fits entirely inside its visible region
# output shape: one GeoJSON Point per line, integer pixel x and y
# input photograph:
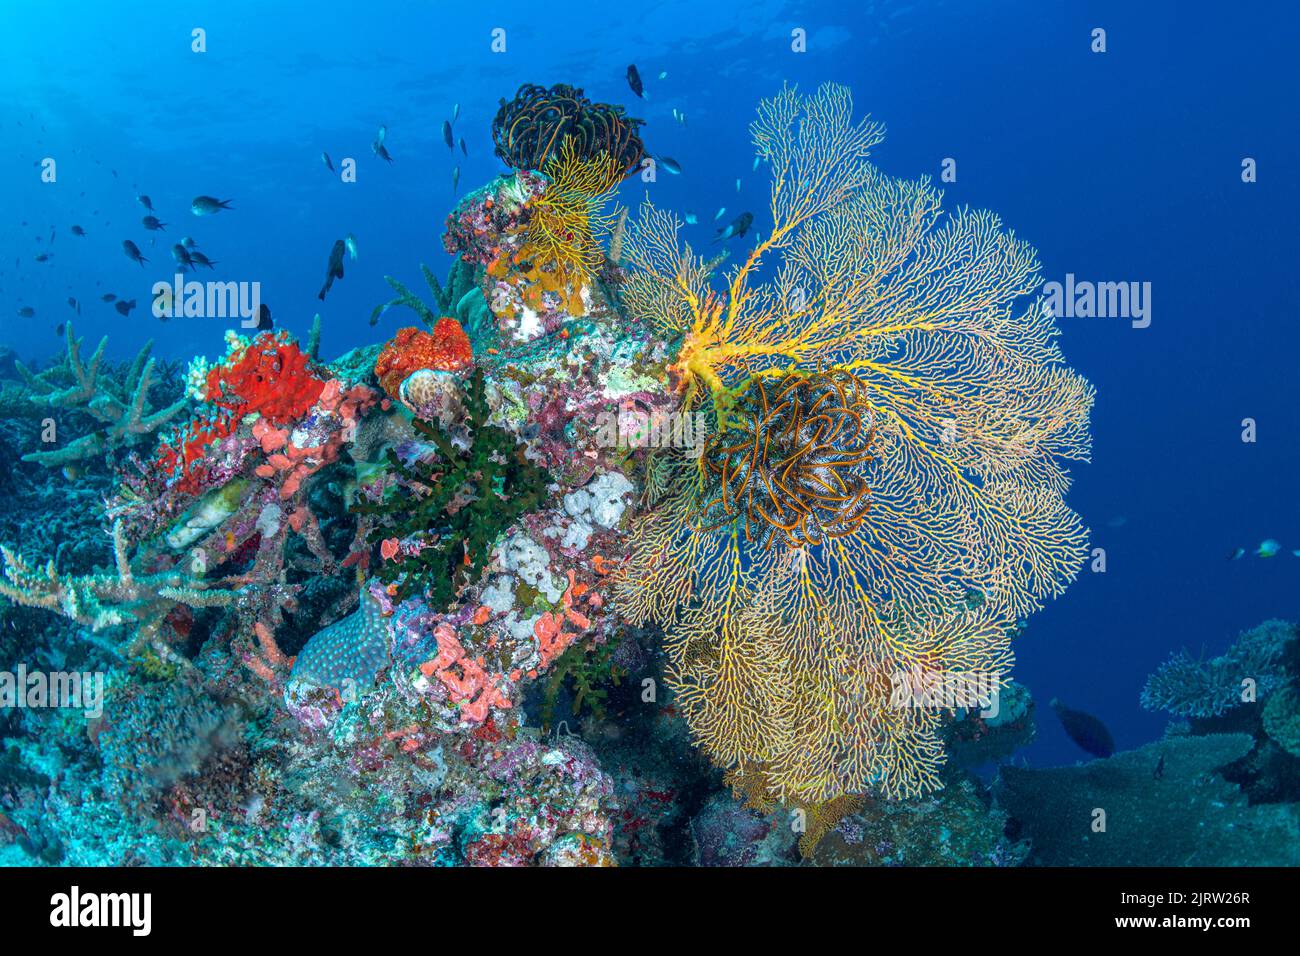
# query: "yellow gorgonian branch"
{"type": "Point", "coordinates": [915, 552]}
{"type": "Point", "coordinates": [568, 218]}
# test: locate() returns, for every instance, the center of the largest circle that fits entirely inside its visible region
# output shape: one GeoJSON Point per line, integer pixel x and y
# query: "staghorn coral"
{"type": "Point", "coordinates": [784, 652]}
{"type": "Point", "coordinates": [1189, 687]}
{"type": "Point", "coordinates": [215, 517]}
{"type": "Point", "coordinates": [109, 600]}
{"type": "Point", "coordinates": [534, 126]}
{"type": "Point", "coordinates": [122, 412]}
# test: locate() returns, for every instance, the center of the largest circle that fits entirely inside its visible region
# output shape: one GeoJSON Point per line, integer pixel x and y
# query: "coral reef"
{"type": "Point", "coordinates": [567, 220]}
{"type": "Point", "coordinates": [444, 509]}
{"type": "Point", "coordinates": [119, 409]}
{"type": "Point", "coordinates": [459, 297]}
{"type": "Point", "coordinates": [536, 236]}
{"type": "Point", "coordinates": [1253, 667]}
{"type": "Point", "coordinates": [472, 596]}
{"type": "Point", "coordinates": [1165, 804]}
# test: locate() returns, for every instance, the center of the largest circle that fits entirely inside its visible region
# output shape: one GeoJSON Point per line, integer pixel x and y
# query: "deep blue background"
{"type": "Point", "coordinates": [1120, 166]}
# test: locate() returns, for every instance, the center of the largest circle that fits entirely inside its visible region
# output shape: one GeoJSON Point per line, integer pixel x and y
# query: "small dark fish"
{"type": "Point", "coordinates": [381, 151]}
{"type": "Point", "coordinates": [325, 158]}
{"type": "Point", "coordinates": [335, 268]}
{"type": "Point", "coordinates": [125, 306]}
{"type": "Point", "coordinates": [78, 231]}
{"type": "Point", "coordinates": [207, 206]}
{"type": "Point", "coordinates": [738, 227]}
{"type": "Point", "coordinates": [182, 257]}
{"type": "Point", "coordinates": [109, 297]}
{"type": "Point", "coordinates": [145, 201]}
{"type": "Point", "coordinates": [1159, 772]}
{"type": "Point", "coordinates": [133, 252]}
{"type": "Point", "coordinates": [199, 259]}
{"type": "Point", "coordinates": [446, 135]}
{"type": "Point", "coordinates": [455, 112]}
{"type": "Point", "coordinates": [58, 329]}
{"type": "Point", "coordinates": [152, 224]}
{"type": "Point", "coordinates": [634, 80]}
{"type": "Point", "coordinates": [455, 179]}
{"type": "Point", "coordinates": [670, 164]}
{"type": "Point", "coordinates": [264, 322]}
{"type": "Point", "coordinates": [1085, 730]}
{"type": "Point", "coordinates": [463, 150]}
{"type": "Point", "coordinates": [52, 234]}
{"type": "Point", "coordinates": [42, 257]}
{"type": "Point", "coordinates": [26, 312]}
{"type": "Point", "coordinates": [72, 304]}
{"type": "Point", "coordinates": [189, 243]}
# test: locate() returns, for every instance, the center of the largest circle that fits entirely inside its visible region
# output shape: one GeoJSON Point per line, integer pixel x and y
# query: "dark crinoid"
{"type": "Point", "coordinates": [529, 129]}
{"type": "Point", "coordinates": [791, 463]}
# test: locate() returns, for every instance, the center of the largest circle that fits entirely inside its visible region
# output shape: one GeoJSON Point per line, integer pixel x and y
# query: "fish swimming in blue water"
{"type": "Point", "coordinates": [1085, 730]}
{"type": "Point", "coordinates": [334, 270]}
{"type": "Point", "coordinates": [378, 147]}
{"type": "Point", "coordinates": [133, 252]}
{"type": "Point", "coordinates": [737, 227]}
{"type": "Point", "coordinates": [208, 206]}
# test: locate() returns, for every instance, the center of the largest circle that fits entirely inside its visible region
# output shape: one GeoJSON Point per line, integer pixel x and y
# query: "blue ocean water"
{"type": "Point", "coordinates": [1119, 166]}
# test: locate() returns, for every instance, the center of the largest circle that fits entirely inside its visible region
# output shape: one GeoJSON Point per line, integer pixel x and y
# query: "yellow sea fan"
{"type": "Point", "coordinates": [567, 220]}
{"type": "Point", "coordinates": [785, 653]}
